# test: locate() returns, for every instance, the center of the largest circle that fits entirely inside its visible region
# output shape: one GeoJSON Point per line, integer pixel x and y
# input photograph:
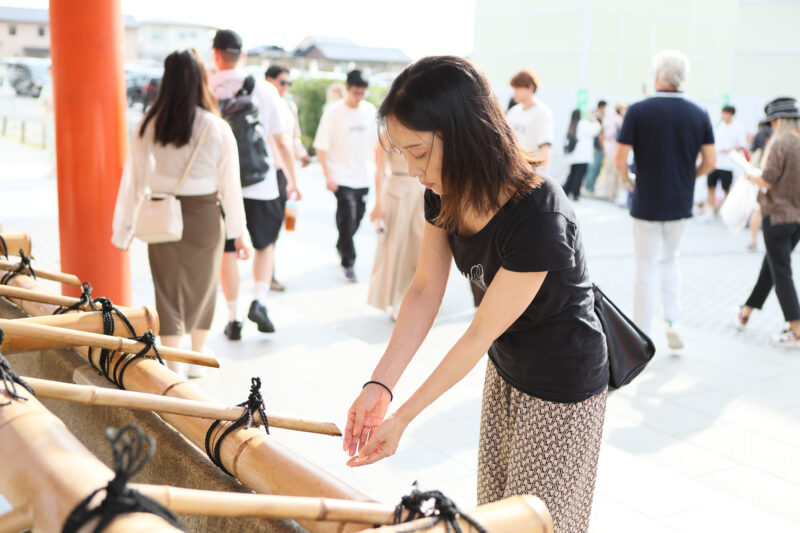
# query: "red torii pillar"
{"type": "Point", "coordinates": [91, 141]}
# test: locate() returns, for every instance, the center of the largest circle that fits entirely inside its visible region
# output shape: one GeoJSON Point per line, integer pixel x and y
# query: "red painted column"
{"type": "Point", "coordinates": [89, 94]}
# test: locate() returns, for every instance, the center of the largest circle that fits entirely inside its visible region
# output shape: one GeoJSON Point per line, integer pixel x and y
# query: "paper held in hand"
{"type": "Point", "coordinates": [739, 160]}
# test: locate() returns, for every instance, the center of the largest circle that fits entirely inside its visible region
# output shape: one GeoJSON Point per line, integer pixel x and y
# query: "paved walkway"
{"type": "Point", "coordinates": [705, 440]}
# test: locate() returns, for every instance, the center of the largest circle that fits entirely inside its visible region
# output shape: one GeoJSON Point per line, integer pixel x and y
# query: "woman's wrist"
{"type": "Point", "coordinates": [381, 385]}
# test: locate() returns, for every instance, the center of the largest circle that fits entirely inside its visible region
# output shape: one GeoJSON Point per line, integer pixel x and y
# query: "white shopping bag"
{"type": "Point", "coordinates": [739, 205]}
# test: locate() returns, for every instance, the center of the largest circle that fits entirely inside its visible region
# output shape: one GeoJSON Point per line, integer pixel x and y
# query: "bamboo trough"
{"type": "Point", "coordinates": [14, 242]}
{"type": "Point", "coordinates": [52, 472]}
{"type": "Point", "coordinates": [259, 462]}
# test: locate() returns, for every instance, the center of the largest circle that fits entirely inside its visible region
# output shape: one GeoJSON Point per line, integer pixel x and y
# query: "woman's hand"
{"type": "Point", "coordinates": [293, 192]}
{"type": "Point", "coordinates": [242, 250]}
{"type": "Point", "coordinates": [382, 442]}
{"type": "Point", "coordinates": [377, 213]}
{"type": "Point", "coordinates": [365, 415]}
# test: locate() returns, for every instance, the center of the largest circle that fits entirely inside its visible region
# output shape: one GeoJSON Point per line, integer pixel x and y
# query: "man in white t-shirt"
{"type": "Point", "coordinates": [531, 119]}
{"type": "Point", "coordinates": [346, 143]}
{"type": "Point", "coordinates": [729, 136]}
{"type": "Point", "coordinates": [261, 200]}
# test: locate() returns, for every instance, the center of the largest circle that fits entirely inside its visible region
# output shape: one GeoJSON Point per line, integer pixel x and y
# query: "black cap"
{"type": "Point", "coordinates": [228, 41]}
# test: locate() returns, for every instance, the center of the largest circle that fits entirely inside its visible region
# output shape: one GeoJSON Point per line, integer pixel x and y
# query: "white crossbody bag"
{"type": "Point", "coordinates": [160, 218]}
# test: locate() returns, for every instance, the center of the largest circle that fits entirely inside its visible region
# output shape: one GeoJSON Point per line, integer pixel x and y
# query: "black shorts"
{"type": "Point", "coordinates": [724, 176]}
{"type": "Point", "coordinates": [283, 196]}
{"type": "Point", "coordinates": [264, 221]}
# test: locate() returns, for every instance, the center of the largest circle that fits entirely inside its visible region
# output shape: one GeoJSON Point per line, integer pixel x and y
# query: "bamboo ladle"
{"type": "Point", "coordinates": [67, 279]}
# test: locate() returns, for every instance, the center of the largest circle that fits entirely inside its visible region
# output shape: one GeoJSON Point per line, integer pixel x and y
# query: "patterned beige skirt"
{"type": "Point", "coordinates": [546, 449]}
{"type": "Point", "coordinates": [186, 273]}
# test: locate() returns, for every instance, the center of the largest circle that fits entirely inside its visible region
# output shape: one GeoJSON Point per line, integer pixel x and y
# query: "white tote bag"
{"type": "Point", "coordinates": [739, 204]}
{"type": "Point", "coordinates": [160, 218]}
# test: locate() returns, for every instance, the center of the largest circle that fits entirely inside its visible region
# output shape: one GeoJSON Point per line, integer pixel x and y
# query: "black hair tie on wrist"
{"type": "Point", "coordinates": [391, 396]}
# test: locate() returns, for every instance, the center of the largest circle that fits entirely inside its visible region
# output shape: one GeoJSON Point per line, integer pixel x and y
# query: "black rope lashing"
{"type": "Point", "coordinates": [116, 372]}
{"type": "Point", "coordinates": [23, 267]}
{"type": "Point", "coordinates": [84, 302]}
{"type": "Point", "coordinates": [11, 379]}
{"type": "Point", "coordinates": [432, 504]}
{"type": "Point", "coordinates": [3, 247]}
{"type": "Point", "coordinates": [254, 404]}
{"type": "Point", "coordinates": [132, 449]}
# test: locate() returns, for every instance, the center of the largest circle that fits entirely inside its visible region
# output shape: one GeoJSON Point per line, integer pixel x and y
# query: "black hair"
{"type": "Point", "coordinates": [481, 157]}
{"type": "Point", "coordinates": [573, 123]}
{"type": "Point", "coordinates": [275, 70]}
{"type": "Point", "coordinates": [355, 79]}
{"type": "Point", "coordinates": [602, 103]}
{"type": "Point", "coordinates": [183, 89]}
{"type": "Point", "coordinates": [729, 109]}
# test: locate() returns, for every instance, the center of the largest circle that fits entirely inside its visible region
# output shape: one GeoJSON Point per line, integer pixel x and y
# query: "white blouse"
{"type": "Point", "coordinates": [158, 168]}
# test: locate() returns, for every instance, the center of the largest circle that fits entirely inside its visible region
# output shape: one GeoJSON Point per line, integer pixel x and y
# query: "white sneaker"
{"type": "Point", "coordinates": [673, 339]}
{"type": "Point", "coordinates": [708, 216]}
{"type": "Point", "coordinates": [739, 320]}
{"type": "Point", "coordinates": [786, 339]}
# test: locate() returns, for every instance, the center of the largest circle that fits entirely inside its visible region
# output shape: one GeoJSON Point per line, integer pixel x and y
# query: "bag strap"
{"type": "Point", "coordinates": [192, 157]}
{"type": "Point", "coordinates": [247, 87]}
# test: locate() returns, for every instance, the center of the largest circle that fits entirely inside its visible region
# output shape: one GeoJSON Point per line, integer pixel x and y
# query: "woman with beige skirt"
{"type": "Point", "coordinates": [183, 147]}
{"type": "Point", "coordinates": [399, 217]}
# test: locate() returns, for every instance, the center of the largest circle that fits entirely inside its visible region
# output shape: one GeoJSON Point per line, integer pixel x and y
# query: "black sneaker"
{"type": "Point", "coordinates": [258, 314]}
{"type": "Point", "coordinates": [350, 274]}
{"type": "Point", "coordinates": [233, 330]}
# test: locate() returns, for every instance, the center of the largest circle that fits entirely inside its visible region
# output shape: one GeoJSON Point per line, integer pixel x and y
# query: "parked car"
{"type": "Point", "coordinates": [142, 83]}
{"type": "Point", "coordinates": [29, 75]}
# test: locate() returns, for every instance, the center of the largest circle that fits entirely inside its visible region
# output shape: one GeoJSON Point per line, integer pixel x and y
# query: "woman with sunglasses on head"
{"type": "Point", "coordinates": [515, 234]}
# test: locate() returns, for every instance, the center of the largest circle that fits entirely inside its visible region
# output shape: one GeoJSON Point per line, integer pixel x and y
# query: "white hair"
{"type": "Point", "coordinates": [671, 67]}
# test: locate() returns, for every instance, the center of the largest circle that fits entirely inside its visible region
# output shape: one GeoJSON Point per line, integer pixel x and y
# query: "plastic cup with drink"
{"type": "Point", "coordinates": [291, 215]}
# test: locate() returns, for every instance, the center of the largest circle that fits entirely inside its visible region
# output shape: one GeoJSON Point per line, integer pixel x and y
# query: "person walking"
{"type": "Point", "coordinates": [580, 150]}
{"type": "Point", "coordinates": [184, 120]}
{"type": "Point", "coordinates": [512, 231]}
{"type": "Point", "coordinates": [729, 136]}
{"type": "Point", "coordinates": [262, 202]}
{"type": "Point", "coordinates": [399, 217]}
{"type": "Point", "coordinates": [278, 76]}
{"type": "Point", "coordinates": [530, 118]}
{"type": "Point", "coordinates": [666, 132]}
{"type": "Point", "coordinates": [596, 165]}
{"type": "Point", "coordinates": [346, 144]}
{"type": "Point", "coordinates": [609, 182]}
{"type": "Point", "coordinates": [780, 209]}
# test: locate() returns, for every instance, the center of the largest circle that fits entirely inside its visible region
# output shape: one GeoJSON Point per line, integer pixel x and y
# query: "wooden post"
{"type": "Point", "coordinates": [142, 319]}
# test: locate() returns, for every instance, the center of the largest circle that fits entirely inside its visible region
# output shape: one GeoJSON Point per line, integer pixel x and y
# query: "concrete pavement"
{"type": "Point", "coordinates": [704, 440]}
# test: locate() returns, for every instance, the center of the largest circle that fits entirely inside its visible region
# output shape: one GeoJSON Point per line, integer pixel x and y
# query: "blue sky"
{"type": "Point", "coordinates": [418, 27]}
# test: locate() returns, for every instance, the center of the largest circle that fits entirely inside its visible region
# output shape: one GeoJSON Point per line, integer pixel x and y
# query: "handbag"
{"type": "Point", "coordinates": [160, 218]}
{"type": "Point", "coordinates": [629, 348]}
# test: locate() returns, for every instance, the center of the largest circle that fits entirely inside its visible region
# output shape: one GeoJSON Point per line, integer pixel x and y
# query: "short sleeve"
{"type": "Point", "coordinates": [547, 128]}
{"type": "Point", "coordinates": [322, 141]}
{"type": "Point", "coordinates": [433, 206]}
{"type": "Point", "coordinates": [627, 132]}
{"type": "Point", "coordinates": [544, 242]}
{"type": "Point", "coordinates": [269, 109]}
{"type": "Point", "coordinates": [708, 130]}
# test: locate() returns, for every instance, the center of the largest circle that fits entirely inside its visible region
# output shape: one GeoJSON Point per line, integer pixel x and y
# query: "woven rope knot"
{"type": "Point", "coordinates": [85, 301]}
{"type": "Point", "coordinates": [23, 267]}
{"type": "Point", "coordinates": [3, 247]}
{"type": "Point", "coordinates": [11, 379]}
{"type": "Point", "coordinates": [432, 504]}
{"type": "Point", "coordinates": [132, 450]}
{"type": "Point", "coordinates": [253, 405]}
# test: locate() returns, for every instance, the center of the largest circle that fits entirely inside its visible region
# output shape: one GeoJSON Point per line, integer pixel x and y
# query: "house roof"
{"type": "Point", "coordinates": [342, 49]}
{"type": "Point", "coordinates": [42, 16]}
{"type": "Point", "coordinates": [178, 23]}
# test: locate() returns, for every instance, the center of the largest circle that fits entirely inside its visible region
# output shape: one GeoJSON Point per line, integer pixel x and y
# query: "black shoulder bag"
{"type": "Point", "coordinates": [629, 348]}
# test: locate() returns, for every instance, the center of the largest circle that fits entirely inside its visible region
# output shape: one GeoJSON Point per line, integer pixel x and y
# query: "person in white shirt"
{"type": "Point", "coordinates": [261, 200]}
{"type": "Point", "coordinates": [729, 136]}
{"type": "Point", "coordinates": [346, 144]}
{"type": "Point", "coordinates": [278, 76]}
{"type": "Point", "coordinates": [531, 119]}
{"type": "Point", "coordinates": [183, 121]}
{"type": "Point", "coordinates": [582, 131]}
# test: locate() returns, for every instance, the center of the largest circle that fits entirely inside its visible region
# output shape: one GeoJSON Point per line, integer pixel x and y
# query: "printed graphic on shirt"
{"type": "Point", "coordinates": [475, 275]}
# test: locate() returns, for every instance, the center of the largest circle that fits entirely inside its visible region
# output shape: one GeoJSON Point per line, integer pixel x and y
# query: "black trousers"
{"type": "Point", "coordinates": [776, 270]}
{"type": "Point", "coordinates": [573, 184]}
{"type": "Point", "coordinates": [349, 212]}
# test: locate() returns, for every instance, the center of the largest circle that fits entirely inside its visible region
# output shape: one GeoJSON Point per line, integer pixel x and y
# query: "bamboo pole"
{"type": "Point", "coordinates": [68, 338]}
{"type": "Point", "coordinates": [260, 463]}
{"type": "Point", "coordinates": [91, 395]}
{"type": "Point", "coordinates": [16, 520]}
{"type": "Point", "coordinates": [518, 514]}
{"type": "Point", "coordinates": [15, 242]}
{"type": "Point", "coordinates": [212, 503]}
{"type": "Point", "coordinates": [66, 279]}
{"type": "Point", "coordinates": [37, 296]}
{"type": "Point", "coordinates": [46, 467]}
{"type": "Point", "coordinates": [141, 318]}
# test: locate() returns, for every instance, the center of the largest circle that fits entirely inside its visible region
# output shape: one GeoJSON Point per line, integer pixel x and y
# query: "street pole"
{"type": "Point", "coordinates": [91, 142]}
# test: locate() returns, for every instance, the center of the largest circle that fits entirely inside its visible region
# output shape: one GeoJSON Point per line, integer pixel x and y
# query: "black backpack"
{"type": "Point", "coordinates": [241, 112]}
{"type": "Point", "coordinates": [570, 143]}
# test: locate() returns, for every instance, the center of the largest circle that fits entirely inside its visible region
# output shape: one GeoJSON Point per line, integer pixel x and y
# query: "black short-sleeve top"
{"type": "Point", "coordinates": [556, 349]}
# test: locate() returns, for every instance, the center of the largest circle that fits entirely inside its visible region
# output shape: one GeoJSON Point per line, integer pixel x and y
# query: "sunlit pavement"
{"type": "Point", "coordinates": [706, 439]}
